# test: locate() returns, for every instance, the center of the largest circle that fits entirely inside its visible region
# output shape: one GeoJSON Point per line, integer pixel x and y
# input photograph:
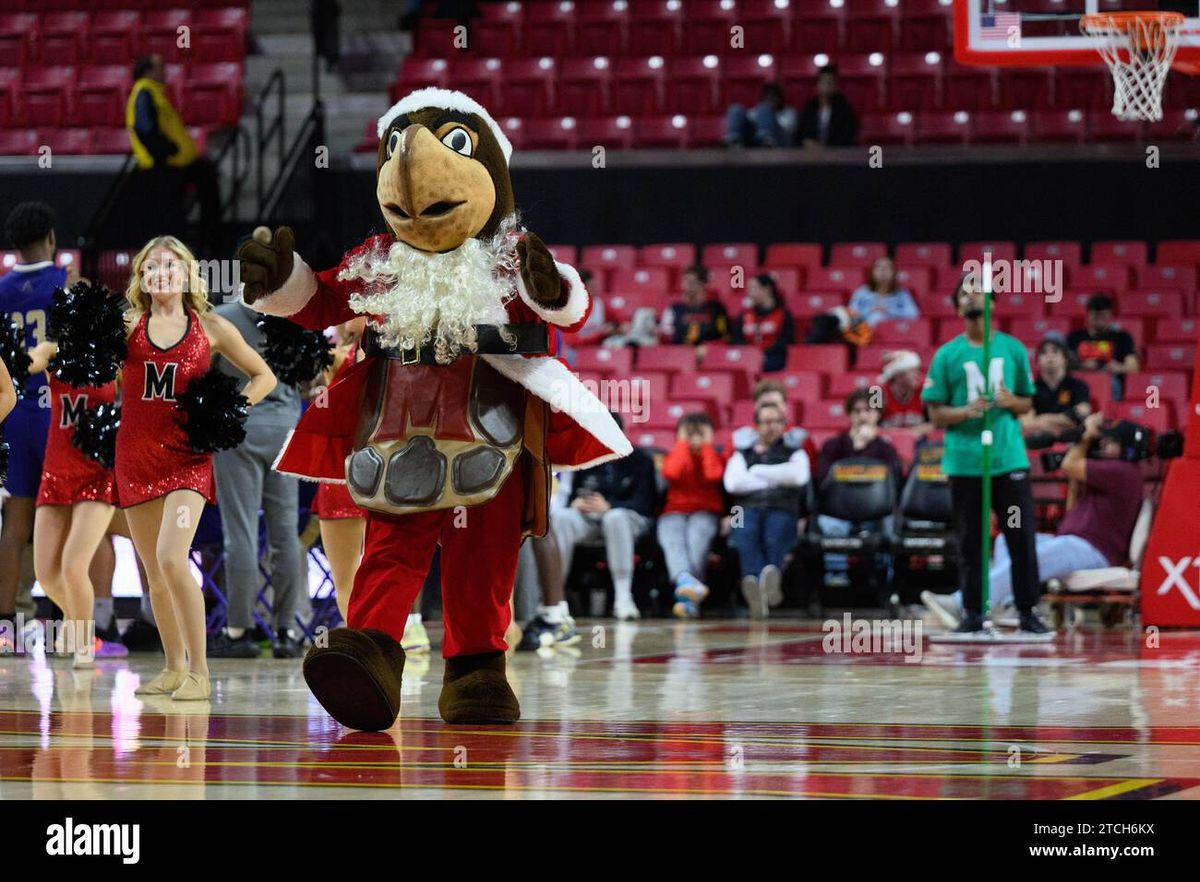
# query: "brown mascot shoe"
{"type": "Point", "coordinates": [475, 690]}
{"type": "Point", "coordinates": [356, 677]}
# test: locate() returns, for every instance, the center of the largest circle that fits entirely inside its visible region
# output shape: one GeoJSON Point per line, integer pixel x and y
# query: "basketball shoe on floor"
{"type": "Point", "coordinates": [625, 610]}
{"type": "Point", "coordinates": [690, 592]}
{"type": "Point", "coordinates": [771, 580]}
{"type": "Point", "coordinates": [224, 646]}
{"type": "Point", "coordinates": [101, 650]}
{"type": "Point", "coordinates": [1030, 623]}
{"type": "Point", "coordinates": [944, 607]}
{"type": "Point", "coordinates": [972, 623]}
{"type": "Point", "coordinates": [755, 599]}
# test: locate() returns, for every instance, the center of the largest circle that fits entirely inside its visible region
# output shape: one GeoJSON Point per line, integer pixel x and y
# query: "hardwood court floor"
{"type": "Point", "coordinates": [714, 709]}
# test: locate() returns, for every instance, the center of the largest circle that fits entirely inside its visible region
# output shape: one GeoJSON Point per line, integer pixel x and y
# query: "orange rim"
{"type": "Point", "coordinates": [1158, 25]}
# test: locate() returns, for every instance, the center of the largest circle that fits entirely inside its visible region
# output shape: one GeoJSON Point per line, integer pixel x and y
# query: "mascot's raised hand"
{"type": "Point", "coordinates": [265, 261]}
{"type": "Point", "coordinates": [538, 272]}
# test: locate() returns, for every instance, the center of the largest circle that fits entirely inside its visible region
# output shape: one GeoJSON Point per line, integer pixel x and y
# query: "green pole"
{"type": "Point", "coordinates": [985, 523]}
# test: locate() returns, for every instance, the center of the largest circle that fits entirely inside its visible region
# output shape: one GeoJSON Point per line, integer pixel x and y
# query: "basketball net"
{"type": "Point", "coordinates": [1138, 48]}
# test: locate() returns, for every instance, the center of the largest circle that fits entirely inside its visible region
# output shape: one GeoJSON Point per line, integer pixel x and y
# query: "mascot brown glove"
{"type": "Point", "coordinates": [538, 272]}
{"type": "Point", "coordinates": [266, 261]}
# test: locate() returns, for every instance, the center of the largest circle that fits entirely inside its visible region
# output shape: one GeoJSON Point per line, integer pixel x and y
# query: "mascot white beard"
{"type": "Point", "coordinates": [423, 296]}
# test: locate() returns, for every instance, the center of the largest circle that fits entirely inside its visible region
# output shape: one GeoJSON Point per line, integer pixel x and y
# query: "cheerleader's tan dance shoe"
{"type": "Point", "coordinates": [195, 687]}
{"type": "Point", "coordinates": [164, 684]}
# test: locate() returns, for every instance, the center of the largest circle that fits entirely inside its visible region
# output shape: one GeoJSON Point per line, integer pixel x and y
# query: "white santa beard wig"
{"type": "Point", "coordinates": [425, 297]}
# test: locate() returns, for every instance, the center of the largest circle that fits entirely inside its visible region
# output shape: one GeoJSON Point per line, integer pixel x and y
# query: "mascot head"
{"type": "Point", "coordinates": [443, 188]}
{"type": "Point", "coordinates": [442, 172]}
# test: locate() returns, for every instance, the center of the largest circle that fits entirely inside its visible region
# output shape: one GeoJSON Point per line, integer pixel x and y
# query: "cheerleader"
{"type": "Point", "coordinates": [342, 522]}
{"type": "Point", "coordinates": [162, 482]}
{"type": "Point", "coordinates": [74, 509]}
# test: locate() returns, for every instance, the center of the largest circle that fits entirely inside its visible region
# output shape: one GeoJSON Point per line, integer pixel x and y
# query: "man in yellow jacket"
{"type": "Point", "coordinates": [160, 141]}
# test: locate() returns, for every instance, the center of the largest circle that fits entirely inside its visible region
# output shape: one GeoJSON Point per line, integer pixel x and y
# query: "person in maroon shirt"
{"type": "Point", "coordinates": [767, 323]}
{"type": "Point", "coordinates": [1095, 532]}
{"type": "Point", "coordinates": [693, 471]}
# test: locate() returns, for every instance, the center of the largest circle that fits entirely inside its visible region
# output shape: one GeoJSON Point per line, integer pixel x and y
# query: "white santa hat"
{"type": "Point", "coordinates": [445, 98]}
{"type": "Point", "coordinates": [898, 362]}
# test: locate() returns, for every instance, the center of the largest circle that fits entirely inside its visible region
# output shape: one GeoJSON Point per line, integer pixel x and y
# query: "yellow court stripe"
{"type": "Point", "coordinates": [1116, 789]}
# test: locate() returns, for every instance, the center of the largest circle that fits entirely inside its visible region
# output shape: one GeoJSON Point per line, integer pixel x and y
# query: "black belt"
{"type": "Point", "coordinates": [531, 339]}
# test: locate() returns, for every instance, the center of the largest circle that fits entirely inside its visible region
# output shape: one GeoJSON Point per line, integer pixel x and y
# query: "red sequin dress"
{"type": "Point", "coordinates": [154, 455]}
{"type": "Point", "coordinates": [68, 475]}
{"type": "Point", "coordinates": [333, 500]}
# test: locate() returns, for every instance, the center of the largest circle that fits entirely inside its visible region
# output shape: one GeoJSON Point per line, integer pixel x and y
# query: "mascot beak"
{"type": "Point", "coordinates": [433, 197]}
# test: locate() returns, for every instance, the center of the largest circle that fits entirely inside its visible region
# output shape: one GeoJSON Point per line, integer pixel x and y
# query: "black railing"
{"type": "Point", "coordinates": [310, 136]}
{"type": "Point", "coordinates": [272, 131]}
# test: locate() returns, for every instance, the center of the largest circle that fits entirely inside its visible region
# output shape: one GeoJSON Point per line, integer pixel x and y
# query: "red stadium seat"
{"type": "Point", "coordinates": [1133, 253]}
{"type": "Point", "coordinates": [977, 250]}
{"type": "Point", "coordinates": [61, 37]}
{"type": "Point", "coordinates": [818, 29]}
{"type": "Point", "coordinates": [1058, 125]}
{"type": "Point", "coordinates": [113, 36]}
{"type": "Point", "coordinates": [674, 255]}
{"type": "Point", "coordinates": [806, 254]}
{"type": "Point", "coordinates": [497, 29]}
{"type": "Point", "coordinates": [214, 94]}
{"type": "Point", "coordinates": [47, 94]}
{"type": "Point", "coordinates": [1177, 330]}
{"type": "Point", "coordinates": [801, 385]}
{"type": "Point", "coordinates": [101, 94]}
{"type": "Point", "coordinates": [915, 81]}
{"type": "Point", "coordinates": [220, 34]}
{"type": "Point", "coordinates": [1026, 87]}
{"type": "Point", "coordinates": [603, 360]}
{"type": "Point", "coordinates": [831, 358]}
{"type": "Point", "coordinates": [1135, 327]}
{"type": "Point", "coordinates": [694, 85]}
{"type": "Point", "coordinates": [1156, 418]}
{"type": "Point", "coordinates": [611, 132]}
{"type": "Point", "coordinates": [861, 78]}
{"type": "Point", "coordinates": [1073, 305]}
{"type": "Point", "coordinates": [18, 38]}
{"type": "Point", "coordinates": [1170, 356]}
{"type": "Point", "coordinates": [549, 133]}
{"type": "Point", "coordinates": [478, 77]}
{"type": "Point", "coordinates": [872, 26]}
{"type": "Point", "coordinates": [549, 28]}
{"type": "Point", "coordinates": [113, 141]}
{"type": "Point", "coordinates": [907, 333]}
{"type": "Point", "coordinates": [529, 86]}
{"type": "Point", "coordinates": [66, 142]}
{"type": "Point", "coordinates": [1001, 127]}
{"type": "Point", "coordinates": [708, 27]}
{"type": "Point", "coordinates": [564, 253]}
{"type": "Point", "coordinates": [621, 307]}
{"type": "Point", "coordinates": [1141, 386]}
{"type": "Point", "coordinates": [924, 25]}
{"type": "Point", "coordinates": [743, 76]}
{"type": "Point", "coordinates": [637, 86]}
{"type": "Point", "coordinates": [1109, 278]}
{"type": "Point", "coordinates": [968, 88]}
{"type": "Point", "coordinates": [1185, 252]}
{"type": "Point", "coordinates": [826, 414]}
{"type": "Point", "coordinates": [887, 128]}
{"type": "Point", "coordinates": [841, 385]}
{"type": "Point", "coordinates": [1103, 126]}
{"type": "Point", "coordinates": [585, 84]}
{"type": "Point", "coordinates": [905, 442]}
{"type": "Point", "coordinates": [18, 142]}
{"type": "Point", "coordinates": [159, 33]}
{"type": "Point", "coordinates": [416, 72]}
{"type": "Point", "coordinates": [655, 384]}
{"type": "Point", "coordinates": [661, 132]}
{"type": "Point", "coordinates": [656, 29]}
{"type": "Point", "coordinates": [595, 256]}
{"type": "Point", "coordinates": [810, 303]}
{"type": "Point", "coordinates": [666, 415]}
{"type": "Point", "coordinates": [950, 127]}
{"type": "Point", "coordinates": [650, 439]}
{"type": "Point", "coordinates": [1030, 331]}
{"type": "Point", "coordinates": [836, 278]}
{"type": "Point", "coordinates": [10, 80]}
{"type": "Point", "coordinates": [934, 254]}
{"type": "Point", "coordinates": [789, 280]}
{"type": "Point", "coordinates": [1020, 305]}
{"type": "Point", "coordinates": [706, 131]}
{"type": "Point", "coordinates": [767, 27]}
{"type": "Point", "coordinates": [649, 281]}
{"type": "Point", "coordinates": [1166, 276]}
{"type": "Point", "coordinates": [669, 359]}
{"type": "Point", "coordinates": [856, 253]}
{"type": "Point", "coordinates": [1083, 88]}
{"type": "Point", "coordinates": [918, 280]}
{"type": "Point", "coordinates": [729, 254]}
{"type": "Point", "coordinates": [602, 29]}
{"type": "Point", "coordinates": [1150, 303]}
{"type": "Point", "coordinates": [716, 386]}
{"type": "Point", "coordinates": [1067, 252]}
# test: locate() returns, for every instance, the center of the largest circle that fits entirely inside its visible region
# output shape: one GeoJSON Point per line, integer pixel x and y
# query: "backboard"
{"type": "Point", "coordinates": [1022, 33]}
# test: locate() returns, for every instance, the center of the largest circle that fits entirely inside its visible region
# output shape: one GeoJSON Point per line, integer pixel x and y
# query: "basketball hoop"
{"type": "Point", "coordinates": [1138, 48]}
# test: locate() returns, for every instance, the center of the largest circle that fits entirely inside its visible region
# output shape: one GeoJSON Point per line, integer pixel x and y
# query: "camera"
{"type": "Point", "coordinates": [1138, 443]}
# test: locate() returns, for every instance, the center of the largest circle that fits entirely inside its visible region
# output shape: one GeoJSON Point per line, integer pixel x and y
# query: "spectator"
{"type": "Point", "coordinates": [160, 141]}
{"type": "Point", "coordinates": [613, 502]}
{"type": "Point", "coordinates": [766, 480]}
{"type": "Point", "coordinates": [881, 298]}
{"type": "Point", "coordinates": [693, 471]}
{"type": "Point", "coordinates": [1094, 533]}
{"type": "Point", "coordinates": [860, 440]}
{"type": "Point", "coordinates": [1100, 347]}
{"type": "Point", "coordinates": [1060, 401]}
{"type": "Point", "coordinates": [774, 392]}
{"type": "Point", "coordinates": [901, 382]}
{"type": "Point", "coordinates": [767, 323]}
{"type": "Point", "coordinates": [598, 326]}
{"type": "Point", "coordinates": [770, 123]}
{"type": "Point", "coordinates": [828, 119]}
{"type": "Point", "coordinates": [246, 483]}
{"type": "Point", "coordinates": [697, 318]}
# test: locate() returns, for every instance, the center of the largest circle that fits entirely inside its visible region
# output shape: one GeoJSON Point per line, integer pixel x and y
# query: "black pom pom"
{"type": "Point", "coordinates": [295, 355]}
{"type": "Point", "coordinates": [3, 461]}
{"type": "Point", "coordinates": [16, 358]}
{"type": "Point", "coordinates": [88, 323]}
{"type": "Point", "coordinates": [214, 412]}
{"type": "Point", "coordinates": [96, 433]}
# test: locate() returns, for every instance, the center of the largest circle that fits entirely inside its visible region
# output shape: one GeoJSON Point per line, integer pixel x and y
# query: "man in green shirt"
{"type": "Point", "coordinates": [957, 399]}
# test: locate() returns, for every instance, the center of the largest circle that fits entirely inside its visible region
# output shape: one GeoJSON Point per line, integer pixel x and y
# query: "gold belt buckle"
{"type": "Point", "coordinates": [405, 360]}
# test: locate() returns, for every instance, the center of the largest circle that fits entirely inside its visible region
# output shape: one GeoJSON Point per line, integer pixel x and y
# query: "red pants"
{"type": "Point", "coordinates": [479, 564]}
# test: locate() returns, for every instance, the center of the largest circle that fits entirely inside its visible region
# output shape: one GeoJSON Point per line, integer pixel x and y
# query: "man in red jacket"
{"type": "Point", "coordinates": [693, 470]}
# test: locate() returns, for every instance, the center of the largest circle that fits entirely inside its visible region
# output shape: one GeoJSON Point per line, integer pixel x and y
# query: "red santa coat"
{"type": "Point", "coordinates": [581, 432]}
